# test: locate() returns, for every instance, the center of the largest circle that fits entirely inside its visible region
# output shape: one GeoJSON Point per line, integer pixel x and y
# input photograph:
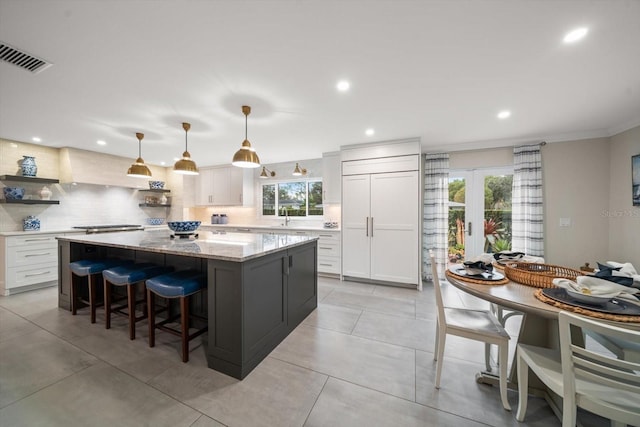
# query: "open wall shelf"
{"type": "Point", "coordinates": [36, 180]}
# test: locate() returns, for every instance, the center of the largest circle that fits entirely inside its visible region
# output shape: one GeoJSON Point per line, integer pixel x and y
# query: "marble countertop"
{"type": "Point", "coordinates": [27, 233]}
{"type": "Point", "coordinates": [236, 247]}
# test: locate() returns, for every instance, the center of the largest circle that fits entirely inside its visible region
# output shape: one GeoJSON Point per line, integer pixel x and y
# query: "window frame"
{"type": "Point", "coordinates": [276, 183]}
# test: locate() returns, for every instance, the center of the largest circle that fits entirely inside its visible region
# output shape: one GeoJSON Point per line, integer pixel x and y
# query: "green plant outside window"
{"type": "Point", "coordinates": [298, 198]}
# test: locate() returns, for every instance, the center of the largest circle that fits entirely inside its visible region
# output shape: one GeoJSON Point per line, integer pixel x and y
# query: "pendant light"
{"type": "Point", "coordinates": [186, 166]}
{"type": "Point", "coordinates": [266, 173]}
{"type": "Point", "coordinates": [139, 169]}
{"type": "Point", "coordinates": [246, 156]}
{"type": "Point", "coordinates": [299, 171]}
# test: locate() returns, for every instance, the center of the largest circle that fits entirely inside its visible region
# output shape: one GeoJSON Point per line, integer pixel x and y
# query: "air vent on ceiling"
{"type": "Point", "coordinates": [22, 59]}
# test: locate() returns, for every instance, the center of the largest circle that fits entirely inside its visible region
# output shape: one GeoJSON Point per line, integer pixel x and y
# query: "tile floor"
{"type": "Point", "coordinates": [363, 358]}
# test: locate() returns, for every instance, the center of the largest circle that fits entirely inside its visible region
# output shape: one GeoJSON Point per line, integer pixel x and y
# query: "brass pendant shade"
{"type": "Point", "coordinates": [186, 166]}
{"type": "Point", "coordinates": [138, 169]}
{"type": "Point", "coordinates": [246, 156]}
{"type": "Point", "coordinates": [299, 171]}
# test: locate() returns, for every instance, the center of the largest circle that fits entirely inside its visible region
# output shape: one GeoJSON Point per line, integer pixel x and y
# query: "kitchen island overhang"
{"type": "Point", "coordinates": [259, 286]}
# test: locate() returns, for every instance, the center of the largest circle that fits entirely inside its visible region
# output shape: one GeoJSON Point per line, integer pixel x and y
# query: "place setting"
{"type": "Point", "coordinates": [594, 296]}
{"type": "Point", "coordinates": [477, 272]}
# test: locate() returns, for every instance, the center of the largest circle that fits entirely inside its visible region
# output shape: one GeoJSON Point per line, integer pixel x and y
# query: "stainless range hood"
{"type": "Point", "coordinates": [89, 167]}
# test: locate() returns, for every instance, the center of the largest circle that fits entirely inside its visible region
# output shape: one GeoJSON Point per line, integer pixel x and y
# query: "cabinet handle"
{"type": "Point", "coordinates": [285, 267]}
{"type": "Point", "coordinates": [326, 265]}
{"type": "Point", "coordinates": [243, 229]}
{"type": "Point", "coordinates": [325, 247]}
{"type": "Point", "coordinates": [40, 254]}
{"type": "Point", "coordinates": [371, 226]}
{"type": "Point", "coordinates": [42, 239]}
{"type": "Point", "coordinates": [469, 228]}
{"type": "Point", "coordinates": [37, 274]}
{"type": "Point", "coordinates": [367, 229]}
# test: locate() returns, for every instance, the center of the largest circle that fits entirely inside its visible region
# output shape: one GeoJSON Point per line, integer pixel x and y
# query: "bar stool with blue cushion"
{"type": "Point", "coordinates": [179, 284]}
{"type": "Point", "coordinates": [128, 275]}
{"type": "Point", "coordinates": [91, 269]}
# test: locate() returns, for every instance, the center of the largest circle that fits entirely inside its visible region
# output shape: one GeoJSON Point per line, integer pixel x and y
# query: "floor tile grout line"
{"type": "Point", "coordinates": [376, 391]}
{"type": "Point", "coordinates": [97, 357]}
{"type": "Point", "coordinates": [315, 402]}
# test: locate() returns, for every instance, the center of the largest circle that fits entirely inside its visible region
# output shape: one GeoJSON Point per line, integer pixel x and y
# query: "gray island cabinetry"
{"type": "Point", "coordinates": [259, 286]}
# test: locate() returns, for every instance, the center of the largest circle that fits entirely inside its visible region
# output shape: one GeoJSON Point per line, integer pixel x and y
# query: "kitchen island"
{"type": "Point", "coordinates": [259, 286]}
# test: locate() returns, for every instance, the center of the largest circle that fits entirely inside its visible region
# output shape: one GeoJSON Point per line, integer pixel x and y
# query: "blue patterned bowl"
{"type": "Point", "coordinates": [183, 226]}
{"type": "Point", "coordinates": [155, 221]}
{"type": "Point", "coordinates": [156, 185]}
{"type": "Point", "coordinates": [13, 193]}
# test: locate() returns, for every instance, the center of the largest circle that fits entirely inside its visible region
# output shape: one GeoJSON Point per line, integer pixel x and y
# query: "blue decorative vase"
{"type": "Point", "coordinates": [29, 167]}
{"type": "Point", "coordinates": [31, 223]}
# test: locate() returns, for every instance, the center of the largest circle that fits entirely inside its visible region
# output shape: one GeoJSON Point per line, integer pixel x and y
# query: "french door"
{"type": "Point", "coordinates": [479, 212]}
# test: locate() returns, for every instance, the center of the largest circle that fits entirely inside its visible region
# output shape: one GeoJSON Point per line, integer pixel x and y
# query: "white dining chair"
{"type": "Point", "coordinates": [598, 382]}
{"type": "Point", "coordinates": [478, 325]}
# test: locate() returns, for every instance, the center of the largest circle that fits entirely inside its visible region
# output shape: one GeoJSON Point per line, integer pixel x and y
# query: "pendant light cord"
{"type": "Point", "coordinates": [245, 126]}
{"type": "Point", "coordinates": [186, 146]}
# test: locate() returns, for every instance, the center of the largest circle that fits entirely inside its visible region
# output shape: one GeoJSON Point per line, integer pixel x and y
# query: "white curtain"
{"type": "Point", "coordinates": [436, 211]}
{"type": "Point", "coordinates": [528, 207]}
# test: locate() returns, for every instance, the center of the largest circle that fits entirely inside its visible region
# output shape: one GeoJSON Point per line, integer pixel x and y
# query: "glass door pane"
{"type": "Point", "coordinates": [479, 212]}
{"type": "Point", "coordinates": [497, 212]}
{"type": "Point", "coordinates": [457, 221]}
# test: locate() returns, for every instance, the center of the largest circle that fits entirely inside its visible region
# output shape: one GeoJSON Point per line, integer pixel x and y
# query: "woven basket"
{"type": "Point", "coordinates": [539, 275]}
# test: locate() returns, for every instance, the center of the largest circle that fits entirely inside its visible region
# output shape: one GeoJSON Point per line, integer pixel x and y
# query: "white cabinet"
{"type": "Point", "coordinates": [331, 177]}
{"type": "Point", "coordinates": [329, 252]}
{"type": "Point", "coordinates": [381, 214]}
{"type": "Point", "coordinates": [28, 262]}
{"type": "Point", "coordinates": [224, 186]}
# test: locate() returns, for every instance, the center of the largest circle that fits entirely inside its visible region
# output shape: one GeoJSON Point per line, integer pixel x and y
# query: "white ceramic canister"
{"type": "Point", "coordinates": [45, 193]}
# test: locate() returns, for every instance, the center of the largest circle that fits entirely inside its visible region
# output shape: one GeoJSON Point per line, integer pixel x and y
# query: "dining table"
{"type": "Point", "coordinates": [539, 323]}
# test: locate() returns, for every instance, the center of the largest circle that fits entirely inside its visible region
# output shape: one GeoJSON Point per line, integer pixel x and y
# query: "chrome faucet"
{"type": "Point", "coordinates": [286, 216]}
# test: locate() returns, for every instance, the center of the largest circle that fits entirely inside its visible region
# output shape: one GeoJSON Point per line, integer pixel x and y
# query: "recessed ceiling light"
{"type": "Point", "coordinates": [343, 85]}
{"type": "Point", "coordinates": [36, 139]}
{"type": "Point", "coordinates": [369, 132]}
{"type": "Point", "coordinates": [101, 142]}
{"type": "Point", "coordinates": [575, 35]}
{"type": "Point", "coordinates": [163, 163]}
{"type": "Point", "coordinates": [504, 114]}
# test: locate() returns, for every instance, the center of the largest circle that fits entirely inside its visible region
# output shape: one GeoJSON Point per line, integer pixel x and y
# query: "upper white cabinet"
{"type": "Point", "coordinates": [331, 177]}
{"type": "Point", "coordinates": [381, 215]}
{"type": "Point", "coordinates": [224, 186]}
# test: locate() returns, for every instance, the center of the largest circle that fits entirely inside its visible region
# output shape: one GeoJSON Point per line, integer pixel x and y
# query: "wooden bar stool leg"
{"type": "Point", "coordinates": [107, 304]}
{"type": "Point", "coordinates": [152, 318]}
{"type": "Point", "coordinates": [184, 327]}
{"type": "Point", "coordinates": [131, 304]}
{"type": "Point", "coordinates": [74, 293]}
{"type": "Point", "coordinates": [92, 296]}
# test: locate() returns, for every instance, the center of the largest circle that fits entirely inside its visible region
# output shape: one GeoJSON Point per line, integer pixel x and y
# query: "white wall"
{"type": "Point", "coordinates": [576, 186]}
{"type": "Point", "coordinates": [624, 218]}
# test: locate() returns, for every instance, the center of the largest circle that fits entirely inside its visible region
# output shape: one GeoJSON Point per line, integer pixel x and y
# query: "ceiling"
{"type": "Point", "coordinates": [437, 70]}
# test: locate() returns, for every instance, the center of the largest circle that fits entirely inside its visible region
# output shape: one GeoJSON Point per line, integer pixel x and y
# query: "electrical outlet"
{"type": "Point", "coordinates": [565, 222]}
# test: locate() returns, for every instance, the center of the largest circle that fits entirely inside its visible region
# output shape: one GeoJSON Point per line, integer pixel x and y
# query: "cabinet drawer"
{"type": "Point", "coordinates": [33, 254]}
{"type": "Point", "coordinates": [32, 274]}
{"type": "Point", "coordinates": [15, 241]}
{"type": "Point", "coordinates": [328, 265]}
{"type": "Point", "coordinates": [328, 248]}
{"type": "Point", "coordinates": [327, 237]}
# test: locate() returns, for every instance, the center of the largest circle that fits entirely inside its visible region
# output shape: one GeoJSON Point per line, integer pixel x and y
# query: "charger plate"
{"type": "Point", "coordinates": [458, 273]}
{"type": "Point", "coordinates": [616, 309]}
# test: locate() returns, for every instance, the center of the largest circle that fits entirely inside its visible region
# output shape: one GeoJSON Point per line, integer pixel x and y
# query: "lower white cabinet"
{"type": "Point", "coordinates": [28, 262]}
{"type": "Point", "coordinates": [329, 261]}
{"type": "Point", "coordinates": [329, 252]}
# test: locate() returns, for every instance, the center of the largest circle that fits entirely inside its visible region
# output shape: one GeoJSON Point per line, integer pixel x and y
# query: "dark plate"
{"type": "Point", "coordinates": [458, 270]}
{"type": "Point", "coordinates": [613, 306]}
